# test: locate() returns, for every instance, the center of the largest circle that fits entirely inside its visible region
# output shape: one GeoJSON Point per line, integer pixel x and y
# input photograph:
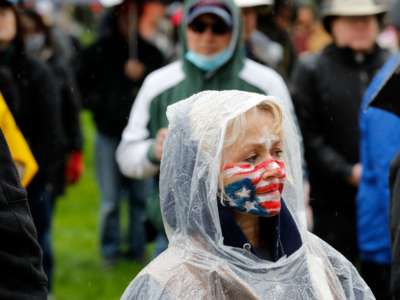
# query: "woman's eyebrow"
{"type": "Point", "coordinates": [277, 143]}
{"type": "Point", "coordinates": [253, 145]}
{"type": "Point", "coordinates": [259, 144]}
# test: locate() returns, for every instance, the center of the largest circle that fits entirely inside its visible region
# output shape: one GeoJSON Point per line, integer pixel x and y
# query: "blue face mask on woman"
{"type": "Point", "coordinates": [208, 63]}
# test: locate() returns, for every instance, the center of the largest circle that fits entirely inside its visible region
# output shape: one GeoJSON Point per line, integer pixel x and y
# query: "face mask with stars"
{"type": "Point", "coordinates": [252, 194]}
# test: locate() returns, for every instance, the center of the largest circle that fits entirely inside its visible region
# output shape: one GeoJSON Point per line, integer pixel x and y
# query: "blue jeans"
{"type": "Point", "coordinates": [113, 188]}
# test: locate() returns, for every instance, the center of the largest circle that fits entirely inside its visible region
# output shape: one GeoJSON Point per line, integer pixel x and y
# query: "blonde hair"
{"type": "Point", "coordinates": [235, 126]}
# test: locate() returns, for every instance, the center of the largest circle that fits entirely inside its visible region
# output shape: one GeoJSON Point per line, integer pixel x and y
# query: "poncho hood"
{"type": "Point", "coordinates": [202, 262]}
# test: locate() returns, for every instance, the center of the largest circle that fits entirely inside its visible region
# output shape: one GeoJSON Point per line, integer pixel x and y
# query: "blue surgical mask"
{"type": "Point", "coordinates": [209, 63]}
{"type": "Point", "coordinates": [35, 43]}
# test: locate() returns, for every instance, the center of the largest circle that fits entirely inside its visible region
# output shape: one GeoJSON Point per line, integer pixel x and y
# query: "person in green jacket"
{"type": "Point", "coordinates": [212, 58]}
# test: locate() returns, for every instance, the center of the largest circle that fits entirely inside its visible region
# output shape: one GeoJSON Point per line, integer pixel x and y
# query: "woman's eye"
{"type": "Point", "coordinates": [277, 153]}
{"type": "Point", "coordinates": [251, 159]}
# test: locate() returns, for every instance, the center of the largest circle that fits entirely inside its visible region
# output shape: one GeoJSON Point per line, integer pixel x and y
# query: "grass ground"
{"type": "Point", "coordinates": [79, 273]}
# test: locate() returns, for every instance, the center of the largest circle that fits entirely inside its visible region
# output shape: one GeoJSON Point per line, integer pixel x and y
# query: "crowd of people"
{"type": "Point", "coordinates": [291, 78]}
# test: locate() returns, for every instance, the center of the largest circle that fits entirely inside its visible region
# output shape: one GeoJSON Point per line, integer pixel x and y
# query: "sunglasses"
{"type": "Point", "coordinates": [217, 27]}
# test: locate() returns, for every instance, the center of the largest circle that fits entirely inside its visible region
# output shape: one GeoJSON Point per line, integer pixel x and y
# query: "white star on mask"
{"type": "Point", "coordinates": [249, 205]}
{"type": "Point", "coordinates": [243, 193]}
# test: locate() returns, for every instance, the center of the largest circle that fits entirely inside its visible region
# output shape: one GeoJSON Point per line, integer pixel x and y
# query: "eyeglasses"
{"type": "Point", "coordinates": [217, 27]}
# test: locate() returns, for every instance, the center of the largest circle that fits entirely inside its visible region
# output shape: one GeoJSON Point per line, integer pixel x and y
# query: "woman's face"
{"type": "Point", "coordinates": [8, 25]}
{"type": "Point", "coordinates": [252, 171]}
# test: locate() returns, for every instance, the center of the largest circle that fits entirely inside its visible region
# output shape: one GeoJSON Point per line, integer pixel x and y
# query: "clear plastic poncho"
{"type": "Point", "coordinates": [197, 264]}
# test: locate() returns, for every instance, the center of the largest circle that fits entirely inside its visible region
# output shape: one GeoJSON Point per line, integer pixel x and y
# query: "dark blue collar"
{"type": "Point", "coordinates": [280, 234]}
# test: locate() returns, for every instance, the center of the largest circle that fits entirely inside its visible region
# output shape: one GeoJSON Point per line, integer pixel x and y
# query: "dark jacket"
{"type": "Point", "coordinates": [9, 89]}
{"type": "Point", "coordinates": [280, 234]}
{"type": "Point", "coordinates": [70, 102]}
{"type": "Point", "coordinates": [21, 275]}
{"type": "Point", "coordinates": [327, 89]}
{"type": "Point", "coordinates": [70, 107]}
{"type": "Point", "coordinates": [394, 182]}
{"type": "Point", "coordinates": [38, 114]}
{"type": "Point", "coordinates": [105, 88]}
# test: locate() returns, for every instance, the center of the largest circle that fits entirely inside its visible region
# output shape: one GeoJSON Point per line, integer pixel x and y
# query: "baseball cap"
{"type": "Point", "coordinates": [213, 7]}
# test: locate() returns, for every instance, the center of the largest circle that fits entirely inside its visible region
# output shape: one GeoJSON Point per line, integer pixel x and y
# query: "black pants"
{"type": "Point", "coordinates": [41, 205]}
{"type": "Point", "coordinates": [377, 276]}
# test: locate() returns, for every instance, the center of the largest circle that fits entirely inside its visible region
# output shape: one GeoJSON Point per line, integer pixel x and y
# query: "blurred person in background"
{"type": "Point", "coordinates": [390, 102]}
{"type": "Point", "coordinates": [9, 89]}
{"type": "Point", "coordinates": [156, 28]}
{"type": "Point", "coordinates": [39, 43]}
{"type": "Point", "coordinates": [277, 25]}
{"type": "Point", "coordinates": [212, 57]}
{"type": "Point", "coordinates": [152, 24]}
{"type": "Point", "coordinates": [379, 144]}
{"type": "Point", "coordinates": [258, 46]}
{"type": "Point", "coordinates": [38, 117]}
{"type": "Point", "coordinates": [327, 88]}
{"type": "Point", "coordinates": [390, 36]}
{"type": "Point", "coordinates": [110, 73]}
{"type": "Point", "coordinates": [60, 30]}
{"type": "Point", "coordinates": [22, 276]}
{"type": "Point", "coordinates": [175, 14]}
{"type": "Point", "coordinates": [308, 34]}
{"type": "Point", "coordinates": [394, 19]}
{"type": "Point", "coordinates": [394, 183]}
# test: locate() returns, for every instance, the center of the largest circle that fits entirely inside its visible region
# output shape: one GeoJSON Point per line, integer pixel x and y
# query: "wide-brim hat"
{"type": "Point", "coordinates": [353, 8]}
{"type": "Point", "coordinates": [348, 8]}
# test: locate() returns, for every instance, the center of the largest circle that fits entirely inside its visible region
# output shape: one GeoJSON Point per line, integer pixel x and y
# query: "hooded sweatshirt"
{"type": "Point", "coordinates": [181, 79]}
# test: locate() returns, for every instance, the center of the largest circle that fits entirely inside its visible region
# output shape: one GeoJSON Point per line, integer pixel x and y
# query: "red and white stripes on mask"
{"type": "Point", "coordinates": [266, 189]}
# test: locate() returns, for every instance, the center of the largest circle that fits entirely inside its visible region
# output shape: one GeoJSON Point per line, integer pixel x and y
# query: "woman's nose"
{"type": "Point", "coordinates": [273, 170]}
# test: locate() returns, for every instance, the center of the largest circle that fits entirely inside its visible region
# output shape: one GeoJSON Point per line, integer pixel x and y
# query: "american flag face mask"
{"type": "Point", "coordinates": [251, 193]}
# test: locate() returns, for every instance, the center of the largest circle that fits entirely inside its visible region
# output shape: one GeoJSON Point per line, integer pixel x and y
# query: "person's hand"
{"type": "Point", "coordinates": [74, 167]}
{"type": "Point", "coordinates": [159, 144]}
{"type": "Point", "coordinates": [134, 69]}
{"type": "Point", "coordinates": [355, 177]}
